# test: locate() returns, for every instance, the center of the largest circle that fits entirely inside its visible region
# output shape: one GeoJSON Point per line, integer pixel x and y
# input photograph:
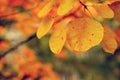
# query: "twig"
{"type": "Point", "coordinates": [17, 45]}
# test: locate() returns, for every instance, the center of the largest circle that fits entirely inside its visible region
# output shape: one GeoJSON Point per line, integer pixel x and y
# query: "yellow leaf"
{"type": "Point", "coordinates": [65, 7]}
{"type": "Point", "coordinates": [58, 38]}
{"type": "Point", "coordinates": [83, 34]}
{"type": "Point", "coordinates": [45, 26]}
{"type": "Point", "coordinates": [109, 42]}
{"type": "Point", "coordinates": [104, 10]}
{"type": "Point", "coordinates": [46, 9]}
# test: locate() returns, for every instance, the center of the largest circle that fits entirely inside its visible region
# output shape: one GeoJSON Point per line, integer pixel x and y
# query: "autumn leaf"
{"type": "Point", "coordinates": [4, 45]}
{"type": "Point", "coordinates": [83, 34]}
{"type": "Point", "coordinates": [116, 8]}
{"type": "Point", "coordinates": [117, 32]}
{"type": "Point", "coordinates": [58, 39]}
{"type": "Point", "coordinates": [45, 26]}
{"type": "Point", "coordinates": [3, 8]}
{"type": "Point", "coordinates": [46, 9]}
{"type": "Point", "coordinates": [1, 29]}
{"type": "Point", "coordinates": [31, 4]}
{"type": "Point", "coordinates": [109, 42]}
{"type": "Point", "coordinates": [103, 10]}
{"type": "Point", "coordinates": [62, 54]}
{"type": "Point", "coordinates": [23, 28]}
{"type": "Point", "coordinates": [65, 7]}
{"type": "Point", "coordinates": [16, 2]}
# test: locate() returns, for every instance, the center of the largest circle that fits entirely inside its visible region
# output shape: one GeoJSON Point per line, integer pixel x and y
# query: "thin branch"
{"type": "Point", "coordinates": [17, 45]}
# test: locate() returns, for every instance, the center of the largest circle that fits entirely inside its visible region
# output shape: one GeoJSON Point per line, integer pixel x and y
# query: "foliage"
{"type": "Point", "coordinates": [83, 23]}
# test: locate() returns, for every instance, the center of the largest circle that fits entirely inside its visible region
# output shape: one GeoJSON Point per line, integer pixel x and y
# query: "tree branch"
{"type": "Point", "coordinates": [17, 45]}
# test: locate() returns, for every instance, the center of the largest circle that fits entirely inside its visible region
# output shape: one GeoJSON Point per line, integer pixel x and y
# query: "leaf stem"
{"type": "Point", "coordinates": [86, 7]}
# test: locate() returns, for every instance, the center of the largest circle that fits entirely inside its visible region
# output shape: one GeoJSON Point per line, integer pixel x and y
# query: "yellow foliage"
{"type": "Point", "coordinates": [46, 9]}
{"type": "Point", "coordinates": [45, 26]}
{"type": "Point", "coordinates": [84, 33]}
{"type": "Point", "coordinates": [65, 7]}
{"type": "Point", "coordinates": [58, 38]}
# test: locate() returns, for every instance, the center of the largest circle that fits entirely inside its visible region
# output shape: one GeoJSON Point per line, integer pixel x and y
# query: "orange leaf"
{"type": "Point", "coordinates": [1, 29]}
{"type": "Point", "coordinates": [16, 2]}
{"type": "Point", "coordinates": [116, 8]}
{"type": "Point", "coordinates": [109, 43]}
{"type": "Point", "coordinates": [4, 45]}
{"type": "Point", "coordinates": [103, 10]}
{"type": "Point", "coordinates": [117, 32]}
{"type": "Point", "coordinates": [62, 54]}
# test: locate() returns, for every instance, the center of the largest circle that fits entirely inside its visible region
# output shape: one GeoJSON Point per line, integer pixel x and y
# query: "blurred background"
{"type": "Point", "coordinates": [25, 57]}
